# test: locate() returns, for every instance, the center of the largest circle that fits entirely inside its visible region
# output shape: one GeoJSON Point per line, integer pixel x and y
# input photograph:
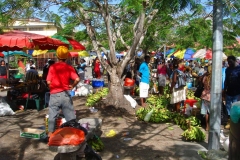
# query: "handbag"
{"type": "Point", "coordinates": [199, 90]}
{"type": "Point", "coordinates": [180, 80]}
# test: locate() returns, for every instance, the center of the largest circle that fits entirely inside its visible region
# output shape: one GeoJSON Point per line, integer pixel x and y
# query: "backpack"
{"type": "Point", "coordinates": [181, 80]}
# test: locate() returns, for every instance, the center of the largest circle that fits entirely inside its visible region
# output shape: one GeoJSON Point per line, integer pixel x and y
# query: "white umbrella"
{"type": "Point", "coordinates": [201, 53]}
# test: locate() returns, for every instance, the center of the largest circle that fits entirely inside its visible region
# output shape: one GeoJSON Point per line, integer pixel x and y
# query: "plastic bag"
{"type": "Point", "coordinates": [148, 116]}
{"type": "Point", "coordinates": [66, 136]}
{"type": "Point", "coordinates": [131, 100]}
{"type": "Point", "coordinates": [235, 112]}
{"type": "Point", "coordinates": [84, 90]}
{"type": "Point", "coordinates": [5, 109]}
{"type": "Point", "coordinates": [73, 123]}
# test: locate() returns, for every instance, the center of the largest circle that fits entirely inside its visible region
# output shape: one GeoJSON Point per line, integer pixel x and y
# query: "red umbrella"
{"type": "Point", "coordinates": [73, 54]}
{"type": "Point", "coordinates": [1, 54]}
{"type": "Point", "coordinates": [76, 45]}
{"type": "Point", "coordinates": [18, 40]}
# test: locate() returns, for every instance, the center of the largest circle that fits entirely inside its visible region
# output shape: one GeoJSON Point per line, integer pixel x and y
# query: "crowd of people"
{"type": "Point", "coordinates": [195, 72]}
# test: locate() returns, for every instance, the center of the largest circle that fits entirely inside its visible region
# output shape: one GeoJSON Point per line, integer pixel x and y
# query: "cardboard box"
{"type": "Point", "coordinates": [32, 133]}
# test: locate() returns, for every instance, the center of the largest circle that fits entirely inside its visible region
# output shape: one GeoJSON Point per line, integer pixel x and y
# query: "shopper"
{"type": "Point", "coordinates": [162, 76]}
{"type": "Point", "coordinates": [178, 93]}
{"type": "Point", "coordinates": [206, 95]}
{"type": "Point", "coordinates": [231, 84]}
{"type": "Point", "coordinates": [144, 72]}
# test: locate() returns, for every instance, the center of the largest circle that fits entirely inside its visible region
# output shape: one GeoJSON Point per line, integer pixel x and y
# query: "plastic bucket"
{"type": "Point", "coordinates": [97, 83]}
{"type": "Point", "coordinates": [189, 85]}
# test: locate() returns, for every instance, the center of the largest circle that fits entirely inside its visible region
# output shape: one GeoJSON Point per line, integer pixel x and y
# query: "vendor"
{"type": "Point", "coordinates": [58, 80]}
{"type": "Point", "coordinates": [3, 70]}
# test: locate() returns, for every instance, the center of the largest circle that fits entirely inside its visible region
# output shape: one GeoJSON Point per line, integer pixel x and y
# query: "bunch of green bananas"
{"type": "Point", "coordinates": [158, 115]}
{"type": "Point", "coordinates": [193, 121]}
{"type": "Point", "coordinates": [96, 143]}
{"type": "Point", "coordinates": [194, 133]}
{"type": "Point", "coordinates": [152, 99]}
{"type": "Point", "coordinates": [158, 102]}
{"type": "Point", "coordinates": [181, 121]}
{"type": "Point", "coordinates": [141, 113]}
{"type": "Point", "coordinates": [190, 94]}
{"type": "Point", "coordinates": [92, 99]}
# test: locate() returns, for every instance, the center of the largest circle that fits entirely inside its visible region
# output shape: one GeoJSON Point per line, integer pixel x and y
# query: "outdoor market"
{"type": "Point", "coordinates": [24, 86]}
{"type": "Point", "coordinates": [123, 79]}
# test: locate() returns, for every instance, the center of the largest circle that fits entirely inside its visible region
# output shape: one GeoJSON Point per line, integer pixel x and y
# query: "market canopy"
{"type": "Point", "coordinates": [170, 51]}
{"type": "Point", "coordinates": [200, 53]}
{"type": "Point", "coordinates": [73, 44]}
{"type": "Point", "coordinates": [179, 54]}
{"type": "Point", "coordinates": [188, 54]}
{"type": "Point", "coordinates": [16, 53]}
{"type": "Point", "coordinates": [39, 52]}
{"type": "Point", "coordinates": [1, 54]}
{"type": "Point", "coordinates": [83, 54]}
{"type": "Point", "coordinates": [18, 40]}
{"type": "Point", "coordinates": [205, 53]}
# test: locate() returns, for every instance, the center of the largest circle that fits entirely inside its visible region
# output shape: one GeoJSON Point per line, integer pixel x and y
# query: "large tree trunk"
{"type": "Point", "coordinates": [116, 97]}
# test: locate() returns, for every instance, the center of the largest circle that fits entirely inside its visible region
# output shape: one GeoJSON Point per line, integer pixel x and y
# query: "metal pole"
{"type": "Point", "coordinates": [164, 51]}
{"type": "Point", "coordinates": [216, 89]}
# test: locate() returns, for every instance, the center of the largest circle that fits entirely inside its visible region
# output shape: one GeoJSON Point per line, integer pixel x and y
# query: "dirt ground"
{"type": "Point", "coordinates": [148, 141]}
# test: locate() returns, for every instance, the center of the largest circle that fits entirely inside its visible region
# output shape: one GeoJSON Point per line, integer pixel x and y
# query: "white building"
{"type": "Point", "coordinates": [35, 26]}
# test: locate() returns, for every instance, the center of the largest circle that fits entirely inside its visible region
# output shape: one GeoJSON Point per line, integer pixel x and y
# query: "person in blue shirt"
{"type": "Point", "coordinates": [144, 72]}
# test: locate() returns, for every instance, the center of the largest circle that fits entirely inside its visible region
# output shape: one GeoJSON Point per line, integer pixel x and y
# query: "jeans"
{"type": "Point", "coordinates": [229, 101]}
{"type": "Point", "coordinates": [61, 100]}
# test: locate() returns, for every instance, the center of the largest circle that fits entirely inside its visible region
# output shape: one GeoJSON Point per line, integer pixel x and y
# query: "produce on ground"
{"type": "Point", "coordinates": [194, 133]}
{"type": "Point", "coordinates": [96, 143]}
{"type": "Point", "coordinates": [92, 99]}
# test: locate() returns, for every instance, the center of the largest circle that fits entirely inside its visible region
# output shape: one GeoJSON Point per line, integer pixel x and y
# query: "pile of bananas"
{"type": "Point", "coordinates": [158, 102]}
{"type": "Point", "coordinates": [92, 99]}
{"type": "Point", "coordinates": [96, 143]}
{"type": "Point", "coordinates": [185, 122]}
{"type": "Point", "coordinates": [159, 114]}
{"type": "Point", "coordinates": [193, 121]}
{"type": "Point", "coordinates": [181, 121]}
{"type": "Point", "coordinates": [194, 133]}
{"type": "Point", "coordinates": [190, 95]}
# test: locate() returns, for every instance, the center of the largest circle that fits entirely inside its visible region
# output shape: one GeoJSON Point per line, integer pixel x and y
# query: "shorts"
{"type": "Point", "coordinates": [162, 80]}
{"type": "Point", "coordinates": [143, 89]}
{"type": "Point", "coordinates": [178, 95]}
{"type": "Point", "coordinates": [205, 107]}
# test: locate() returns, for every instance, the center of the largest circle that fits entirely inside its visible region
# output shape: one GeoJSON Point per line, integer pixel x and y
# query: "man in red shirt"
{"type": "Point", "coordinates": [58, 80]}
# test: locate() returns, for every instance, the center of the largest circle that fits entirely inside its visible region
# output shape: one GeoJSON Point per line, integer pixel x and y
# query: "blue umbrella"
{"type": "Point", "coordinates": [188, 54]}
{"type": "Point", "coordinates": [14, 53]}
